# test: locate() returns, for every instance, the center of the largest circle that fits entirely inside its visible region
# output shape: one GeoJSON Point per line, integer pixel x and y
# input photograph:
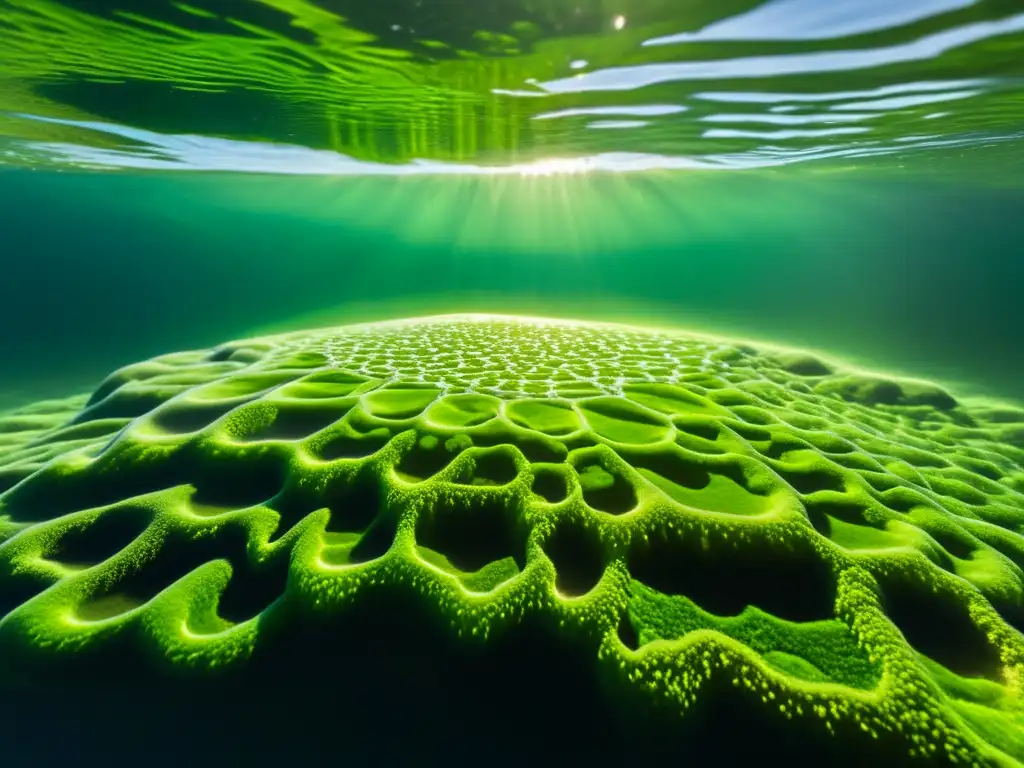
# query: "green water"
{"type": "Point", "coordinates": [842, 176]}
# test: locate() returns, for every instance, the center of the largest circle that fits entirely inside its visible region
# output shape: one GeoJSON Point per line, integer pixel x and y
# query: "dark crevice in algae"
{"type": "Point", "coordinates": [550, 485]}
{"type": "Point", "coordinates": [494, 467]}
{"type": "Point", "coordinates": [189, 417]}
{"type": "Point", "coordinates": [355, 503]}
{"type": "Point", "coordinates": [708, 432]}
{"type": "Point", "coordinates": [959, 546]}
{"type": "Point", "coordinates": [298, 423]}
{"type": "Point", "coordinates": [607, 491]}
{"type": "Point", "coordinates": [576, 553]}
{"type": "Point", "coordinates": [724, 578]}
{"type": "Point", "coordinates": [114, 530]}
{"type": "Point", "coordinates": [819, 510]}
{"type": "Point", "coordinates": [673, 468]}
{"type": "Point", "coordinates": [11, 477]}
{"type": "Point", "coordinates": [751, 434]}
{"type": "Point", "coordinates": [535, 449]}
{"type": "Point", "coordinates": [251, 589]}
{"type": "Point", "coordinates": [377, 539]}
{"type": "Point", "coordinates": [472, 533]}
{"type": "Point", "coordinates": [812, 481]}
{"type": "Point", "coordinates": [236, 483]}
{"type": "Point", "coordinates": [122, 405]}
{"type": "Point", "coordinates": [351, 446]}
{"type": "Point", "coordinates": [938, 626]}
{"type": "Point", "coordinates": [627, 632]}
{"type": "Point", "coordinates": [422, 463]}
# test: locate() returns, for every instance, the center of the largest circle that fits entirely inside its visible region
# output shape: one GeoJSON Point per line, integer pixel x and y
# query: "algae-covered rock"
{"type": "Point", "coordinates": [694, 519]}
{"type": "Point", "coordinates": [876, 390]}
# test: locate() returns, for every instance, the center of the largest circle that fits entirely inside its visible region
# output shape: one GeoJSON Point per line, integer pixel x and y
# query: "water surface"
{"type": "Point", "coordinates": [342, 86]}
{"type": "Point", "coordinates": [844, 176]}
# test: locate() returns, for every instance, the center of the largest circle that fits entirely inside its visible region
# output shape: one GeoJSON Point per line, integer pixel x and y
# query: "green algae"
{"type": "Point", "coordinates": [849, 554]}
{"type": "Point", "coordinates": [819, 651]}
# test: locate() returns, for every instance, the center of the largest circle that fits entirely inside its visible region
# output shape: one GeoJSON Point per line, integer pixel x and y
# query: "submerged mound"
{"type": "Point", "coordinates": [838, 554]}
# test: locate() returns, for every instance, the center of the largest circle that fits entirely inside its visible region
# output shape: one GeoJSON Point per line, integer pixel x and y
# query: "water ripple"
{"type": "Point", "coordinates": [346, 87]}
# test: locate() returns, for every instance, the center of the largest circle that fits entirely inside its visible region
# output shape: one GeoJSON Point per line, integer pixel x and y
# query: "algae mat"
{"type": "Point", "coordinates": [698, 518]}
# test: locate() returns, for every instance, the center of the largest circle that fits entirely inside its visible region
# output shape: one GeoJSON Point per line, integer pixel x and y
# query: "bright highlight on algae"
{"type": "Point", "coordinates": [840, 548]}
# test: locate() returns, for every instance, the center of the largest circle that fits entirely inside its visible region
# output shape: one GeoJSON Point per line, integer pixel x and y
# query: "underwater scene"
{"type": "Point", "coordinates": [512, 382]}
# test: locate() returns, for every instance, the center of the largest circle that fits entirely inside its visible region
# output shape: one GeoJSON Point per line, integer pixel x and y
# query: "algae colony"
{"type": "Point", "coordinates": [517, 382]}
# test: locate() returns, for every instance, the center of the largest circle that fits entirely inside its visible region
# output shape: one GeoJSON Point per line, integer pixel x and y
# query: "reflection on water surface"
{"type": "Point", "coordinates": [340, 86]}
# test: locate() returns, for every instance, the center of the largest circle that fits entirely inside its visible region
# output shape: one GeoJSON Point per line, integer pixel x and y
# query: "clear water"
{"type": "Point", "coordinates": [845, 176]}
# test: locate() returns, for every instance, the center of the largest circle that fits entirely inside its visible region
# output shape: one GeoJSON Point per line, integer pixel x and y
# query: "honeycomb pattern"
{"type": "Point", "coordinates": [845, 546]}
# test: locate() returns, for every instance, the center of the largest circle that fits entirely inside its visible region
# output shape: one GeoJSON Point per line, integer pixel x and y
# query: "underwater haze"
{"type": "Point", "coordinates": [506, 382]}
{"type": "Point", "coordinates": [844, 176]}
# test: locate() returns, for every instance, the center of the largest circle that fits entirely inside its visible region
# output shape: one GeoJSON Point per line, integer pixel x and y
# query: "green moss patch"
{"type": "Point", "coordinates": [843, 551]}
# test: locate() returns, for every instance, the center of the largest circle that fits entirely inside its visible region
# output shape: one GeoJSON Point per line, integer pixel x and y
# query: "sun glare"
{"type": "Point", "coordinates": [557, 166]}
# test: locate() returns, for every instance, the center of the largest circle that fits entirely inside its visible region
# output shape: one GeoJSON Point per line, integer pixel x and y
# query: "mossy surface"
{"type": "Point", "coordinates": [846, 549]}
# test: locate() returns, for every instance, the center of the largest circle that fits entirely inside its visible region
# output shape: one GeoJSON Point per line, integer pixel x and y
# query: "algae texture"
{"type": "Point", "coordinates": [699, 518]}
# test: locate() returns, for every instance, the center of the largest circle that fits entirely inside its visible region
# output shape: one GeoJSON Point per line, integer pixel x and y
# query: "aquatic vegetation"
{"type": "Point", "coordinates": [842, 548]}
